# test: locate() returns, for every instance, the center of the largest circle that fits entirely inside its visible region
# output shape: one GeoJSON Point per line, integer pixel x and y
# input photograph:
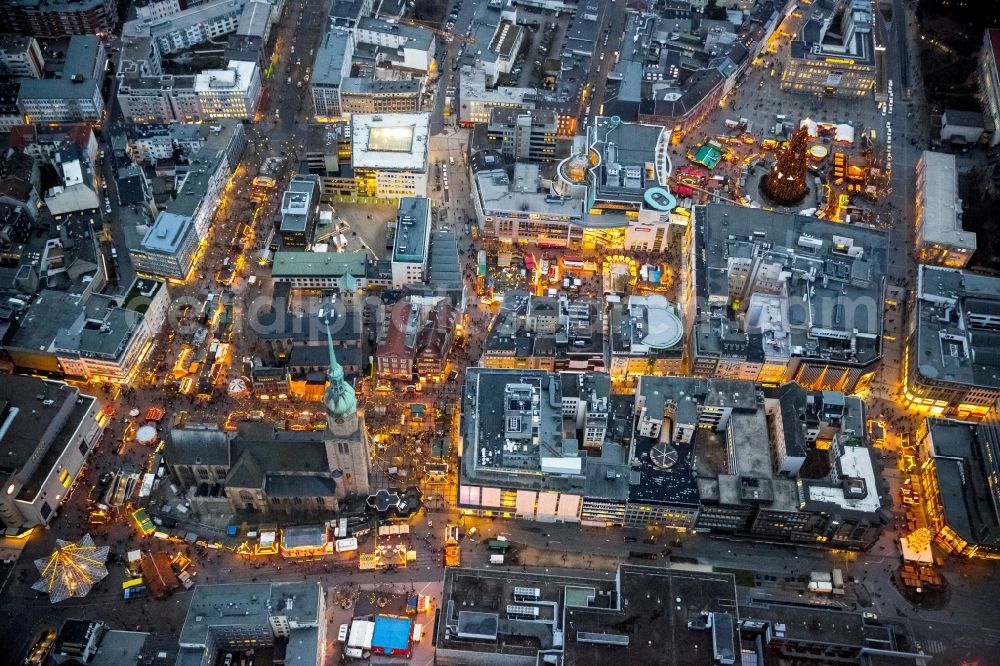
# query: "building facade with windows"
{"type": "Point", "coordinates": [168, 249]}
{"type": "Point", "coordinates": [949, 362]}
{"type": "Point", "coordinates": [208, 172]}
{"type": "Point", "coordinates": [58, 18]}
{"type": "Point", "coordinates": [774, 298]}
{"type": "Point", "coordinates": [76, 95]}
{"type": "Point", "coordinates": [834, 54]}
{"type": "Point", "coordinates": [194, 24]}
{"type": "Point", "coordinates": [989, 81]}
{"type": "Point", "coordinates": [415, 338]}
{"type": "Point", "coordinates": [681, 453]}
{"type": "Point", "coordinates": [797, 469]}
{"type": "Point", "coordinates": [159, 99]}
{"type": "Point", "coordinates": [389, 154]}
{"type": "Point", "coordinates": [959, 464]}
{"type": "Point", "coordinates": [513, 206]}
{"type": "Point", "coordinates": [525, 134]}
{"type": "Point", "coordinates": [546, 333]}
{"type": "Point", "coordinates": [393, 60]}
{"type": "Point", "coordinates": [21, 57]}
{"type": "Point", "coordinates": [941, 240]}
{"type": "Point", "coordinates": [525, 433]}
{"type": "Point", "coordinates": [359, 95]}
{"type": "Point", "coordinates": [611, 191]}
{"type": "Point", "coordinates": [224, 618]}
{"type": "Point", "coordinates": [478, 101]}
{"type": "Point", "coordinates": [47, 431]}
{"type": "Point", "coordinates": [233, 92]}
{"type": "Point", "coordinates": [321, 270]}
{"type": "Point", "coordinates": [88, 335]}
{"type": "Point", "coordinates": [646, 337]}
{"type": "Point", "coordinates": [110, 344]}
{"type": "Point", "coordinates": [411, 245]}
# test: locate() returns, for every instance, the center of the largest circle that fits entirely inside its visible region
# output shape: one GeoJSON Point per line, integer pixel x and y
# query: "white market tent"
{"type": "Point", "coordinates": [844, 134]}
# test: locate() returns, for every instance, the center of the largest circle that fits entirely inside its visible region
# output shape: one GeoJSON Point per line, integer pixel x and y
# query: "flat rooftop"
{"type": "Point", "coordinates": [588, 620]}
{"type": "Point", "coordinates": [332, 62]}
{"type": "Point", "coordinates": [298, 203]}
{"type": "Point", "coordinates": [50, 312]}
{"type": "Point", "coordinates": [412, 230]}
{"type": "Point", "coordinates": [235, 77]}
{"type": "Point", "coordinates": [499, 196]}
{"type": "Point", "coordinates": [181, 21]}
{"type": "Point", "coordinates": [579, 332]}
{"type": "Point", "coordinates": [358, 85]}
{"type": "Point", "coordinates": [396, 141]}
{"type": "Point", "coordinates": [168, 233]}
{"type": "Point", "coordinates": [247, 604]}
{"type": "Point", "coordinates": [962, 466]}
{"type": "Point", "coordinates": [414, 37]}
{"type": "Point", "coordinates": [506, 36]}
{"type": "Point", "coordinates": [823, 37]}
{"type": "Point", "coordinates": [646, 326]}
{"type": "Point", "coordinates": [82, 56]}
{"type": "Point", "coordinates": [829, 279]}
{"type": "Point", "coordinates": [940, 220]}
{"type": "Point", "coordinates": [289, 264]}
{"type": "Point", "coordinates": [44, 89]}
{"type": "Point", "coordinates": [665, 467]}
{"type": "Point", "coordinates": [633, 157]}
{"type": "Point", "coordinates": [826, 625]}
{"type": "Point", "coordinates": [254, 19]}
{"type": "Point", "coordinates": [956, 339]}
{"type": "Point", "coordinates": [202, 170]}
{"type": "Point", "coordinates": [472, 88]}
{"type": "Point", "coordinates": [24, 434]}
{"type": "Point", "coordinates": [855, 462]}
{"type": "Point", "coordinates": [507, 446]}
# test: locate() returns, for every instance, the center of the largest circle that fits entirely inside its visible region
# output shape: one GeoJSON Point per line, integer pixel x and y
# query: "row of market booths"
{"type": "Point", "coordinates": [156, 573]}
{"type": "Point", "coordinates": [338, 539]}
{"type": "Point", "coordinates": [341, 536]}
{"type": "Point", "coordinates": [303, 542]}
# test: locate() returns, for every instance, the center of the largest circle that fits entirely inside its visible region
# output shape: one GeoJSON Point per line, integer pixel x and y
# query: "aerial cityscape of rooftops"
{"type": "Point", "coordinates": [499, 332]}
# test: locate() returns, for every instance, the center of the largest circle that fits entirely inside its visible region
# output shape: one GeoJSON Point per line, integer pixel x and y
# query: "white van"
{"type": "Point", "coordinates": [418, 632]}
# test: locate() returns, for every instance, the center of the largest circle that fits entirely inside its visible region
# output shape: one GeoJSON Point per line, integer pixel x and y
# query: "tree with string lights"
{"type": "Point", "coordinates": [786, 184]}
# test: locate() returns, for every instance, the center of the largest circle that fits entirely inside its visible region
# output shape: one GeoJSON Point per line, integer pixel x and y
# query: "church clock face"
{"type": "Point", "coordinates": [339, 419]}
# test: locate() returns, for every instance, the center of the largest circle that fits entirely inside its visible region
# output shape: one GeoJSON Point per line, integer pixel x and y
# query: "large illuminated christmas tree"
{"type": "Point", "coordinates": [786, 184]}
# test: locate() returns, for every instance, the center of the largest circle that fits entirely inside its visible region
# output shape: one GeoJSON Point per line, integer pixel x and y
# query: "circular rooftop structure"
{"type": "Point", "coordinates": [663, 329]}
{"type": "Point", "coordinates": [660, 198]}
{"type": "Point", "coordinates": [146, 434]}
{"type": "Point", "coordinates": [663, 456]}
{"type": "Point", "coordinates": [574, 169]}
{"type": "Point", "coordinates": [239, 387]}
{"type": "Point", "coordinates": [819, 152]}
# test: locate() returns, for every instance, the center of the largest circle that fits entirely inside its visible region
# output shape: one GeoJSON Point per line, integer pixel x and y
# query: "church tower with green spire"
{"type": "Point", "coordinates": [346, 438]}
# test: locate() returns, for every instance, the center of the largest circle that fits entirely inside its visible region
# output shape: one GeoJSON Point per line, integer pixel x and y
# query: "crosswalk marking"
{"type": "Point", "coordinates": [934, 646]}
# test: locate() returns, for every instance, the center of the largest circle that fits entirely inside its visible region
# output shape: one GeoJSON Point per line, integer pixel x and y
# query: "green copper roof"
{"type": "Point", "coordinates": [339, 398]}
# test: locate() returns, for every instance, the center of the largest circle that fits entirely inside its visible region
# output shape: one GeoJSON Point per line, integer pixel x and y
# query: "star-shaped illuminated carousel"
{"type": "Point", "coordinates": [72, 569]}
